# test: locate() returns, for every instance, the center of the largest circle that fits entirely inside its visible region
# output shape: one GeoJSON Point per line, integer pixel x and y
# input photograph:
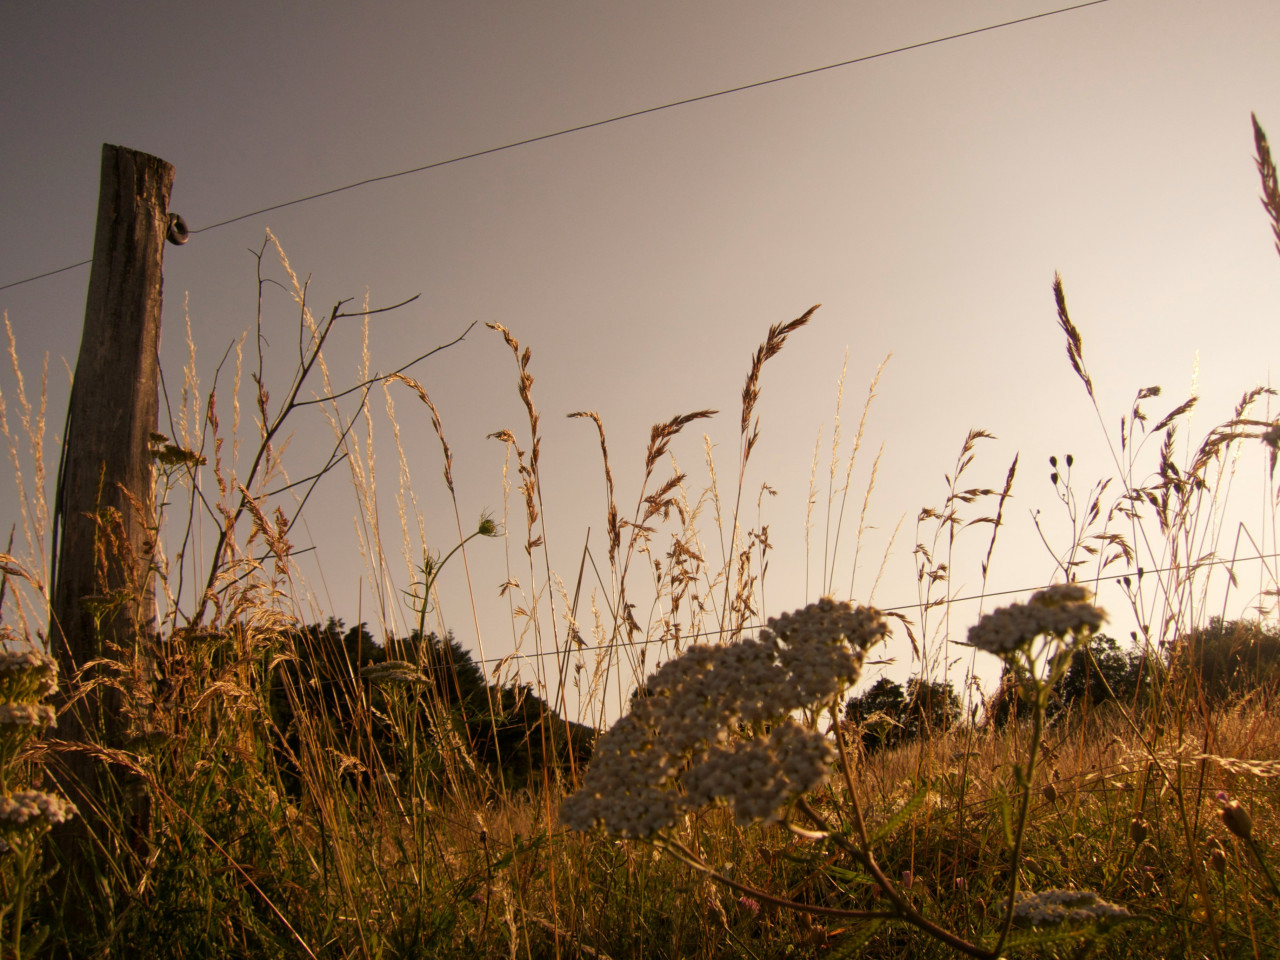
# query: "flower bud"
{"type": "Point", "coordinates": [1138, 830]}
{"type": "Point", "coordinates": [1147, 880]}
{"type": "Point", "coordinates": [1050, 792]}
{"type": "Point", "coordinates": [1237, 819]}
{"type": "Point", "coordinates": [1218, 860]}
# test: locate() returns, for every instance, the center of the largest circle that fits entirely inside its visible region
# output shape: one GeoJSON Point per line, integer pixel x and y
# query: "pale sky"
{"type": "Point", "coordinates": [925, 199]}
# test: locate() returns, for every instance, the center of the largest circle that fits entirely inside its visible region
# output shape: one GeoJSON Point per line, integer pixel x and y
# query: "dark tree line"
{"type": "Point", "coordinates": [888, 715]}
{"type": "Point", "coordinates": [1229, 660]}
{"type": "Point", "coordinates": [1215, 665]}
{"type": "Point", "coordinates": [1098, 673]}
{"type": "Point", "coordinates": [380, 704]}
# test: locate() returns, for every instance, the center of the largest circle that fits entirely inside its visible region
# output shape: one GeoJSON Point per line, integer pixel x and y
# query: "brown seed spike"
{"type": "Point", "coordinates": [1267, 170]}
{"type": "Point", "coordinates": [1075, 345]}
{"type": "Point", "coordinates": [773, 343]}
{"type": "Point", "coordinates": [661, 434]}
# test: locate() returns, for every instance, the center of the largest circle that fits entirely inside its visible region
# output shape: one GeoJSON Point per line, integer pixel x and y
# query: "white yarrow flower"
{"type": "Point", "coordinates": [1056, 611]}
{"type": "Point", "coordinates": [25, 807]}
{"type": "Point", "coordinates": [1050, 907]}
{"type": "Point", "coordinates": [685, 726]}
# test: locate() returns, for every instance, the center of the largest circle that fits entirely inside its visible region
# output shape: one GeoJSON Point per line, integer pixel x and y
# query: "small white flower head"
{"type": "Point", "coordinates": [625, 787]}
{"type": "Point", "coordinates": [1050, 907]}
{"type": "Point", "coordinates": [758, 777]}
{"type": "Point", "coordinates": [35, 715]}
{"type": "Point", "coordinates": [29, 808]}
{"type": "Point", "coordinates": [1054, 612]}
{"type": "Point", "coordinates": [683, 731]}
{"type": "Point", "coordinates": [25, 673]}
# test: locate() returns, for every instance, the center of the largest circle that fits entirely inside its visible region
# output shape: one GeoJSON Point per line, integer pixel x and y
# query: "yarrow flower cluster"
{"type": "Point", "coordinates": [1053, 612]}
{"type": "Point", "coordinates": [24, 674]}
{"type": "Point", "coordinates": [27, 714]}
{"type": "Point", "coordinates": [26, 807]}
{"type": "Point", "coordinates": [679, 730]}
{"type": "Point", "coordinates": [1064, 906]}
{"type": "Point", "coordinates": [27, 676]}
{"type": "Point", "coordinates": [758, 776]}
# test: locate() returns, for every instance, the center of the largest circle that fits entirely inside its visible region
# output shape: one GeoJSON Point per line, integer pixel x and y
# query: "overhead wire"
{"type": "Point", "coordinates": [600, 123]}
{"type": "Point", "coordinates": [581, 648]}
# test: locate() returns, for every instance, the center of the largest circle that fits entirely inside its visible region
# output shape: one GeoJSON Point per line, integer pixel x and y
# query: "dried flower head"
{"type": "Point", "coordinates": [683, 730]}
{"type": "Point", "coordinates": [1271, 436]}
{"type": "Point", "coordinates": [1217, 856]}
{"type": "Point", "coordinates": [1056, 612]}
{"type": "Point", "coordinates": [1064, 906]}
{"type": "Point", "coordinates": [392, 671]}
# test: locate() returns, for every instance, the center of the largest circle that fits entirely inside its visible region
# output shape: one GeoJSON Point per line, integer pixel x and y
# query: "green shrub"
{"type": "Point", "coordinates": [1228, 660]}
{"type": "Point", "coordinates": [888, 715]}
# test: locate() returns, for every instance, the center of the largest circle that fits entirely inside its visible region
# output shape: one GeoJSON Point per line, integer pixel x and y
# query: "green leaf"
{"type": "Point", "coordinates": [855, 943]}
{"type": "Point", "coordinates": [849, 876]}
{"type": "Point", "coordinates": [1059, 933]}
{"type": "Point", "coordinates": [902, 814]}
{"type": "Point", "coordinates": [1006, 818]}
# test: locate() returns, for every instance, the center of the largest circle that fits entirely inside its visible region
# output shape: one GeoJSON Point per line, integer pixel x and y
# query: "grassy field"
{"type": "Point", "coordinates": [291, 789]}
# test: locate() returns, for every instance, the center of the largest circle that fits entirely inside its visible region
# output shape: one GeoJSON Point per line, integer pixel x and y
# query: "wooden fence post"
{"type": "Point", "coordinates": [103, 591]}
{"type": "Point", "coordinates": [103, 507]}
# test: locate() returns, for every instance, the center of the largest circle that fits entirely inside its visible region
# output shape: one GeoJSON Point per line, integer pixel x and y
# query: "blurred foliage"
{"type": "Point", "coordinates": [1221, 663]}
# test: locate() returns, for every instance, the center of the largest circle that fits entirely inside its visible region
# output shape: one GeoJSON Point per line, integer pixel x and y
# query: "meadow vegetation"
{"type": "Point", "coordinates": [286, 786]}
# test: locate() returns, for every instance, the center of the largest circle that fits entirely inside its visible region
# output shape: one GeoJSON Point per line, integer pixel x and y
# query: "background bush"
{"type": "Point", "coordinates": [888, 716]}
